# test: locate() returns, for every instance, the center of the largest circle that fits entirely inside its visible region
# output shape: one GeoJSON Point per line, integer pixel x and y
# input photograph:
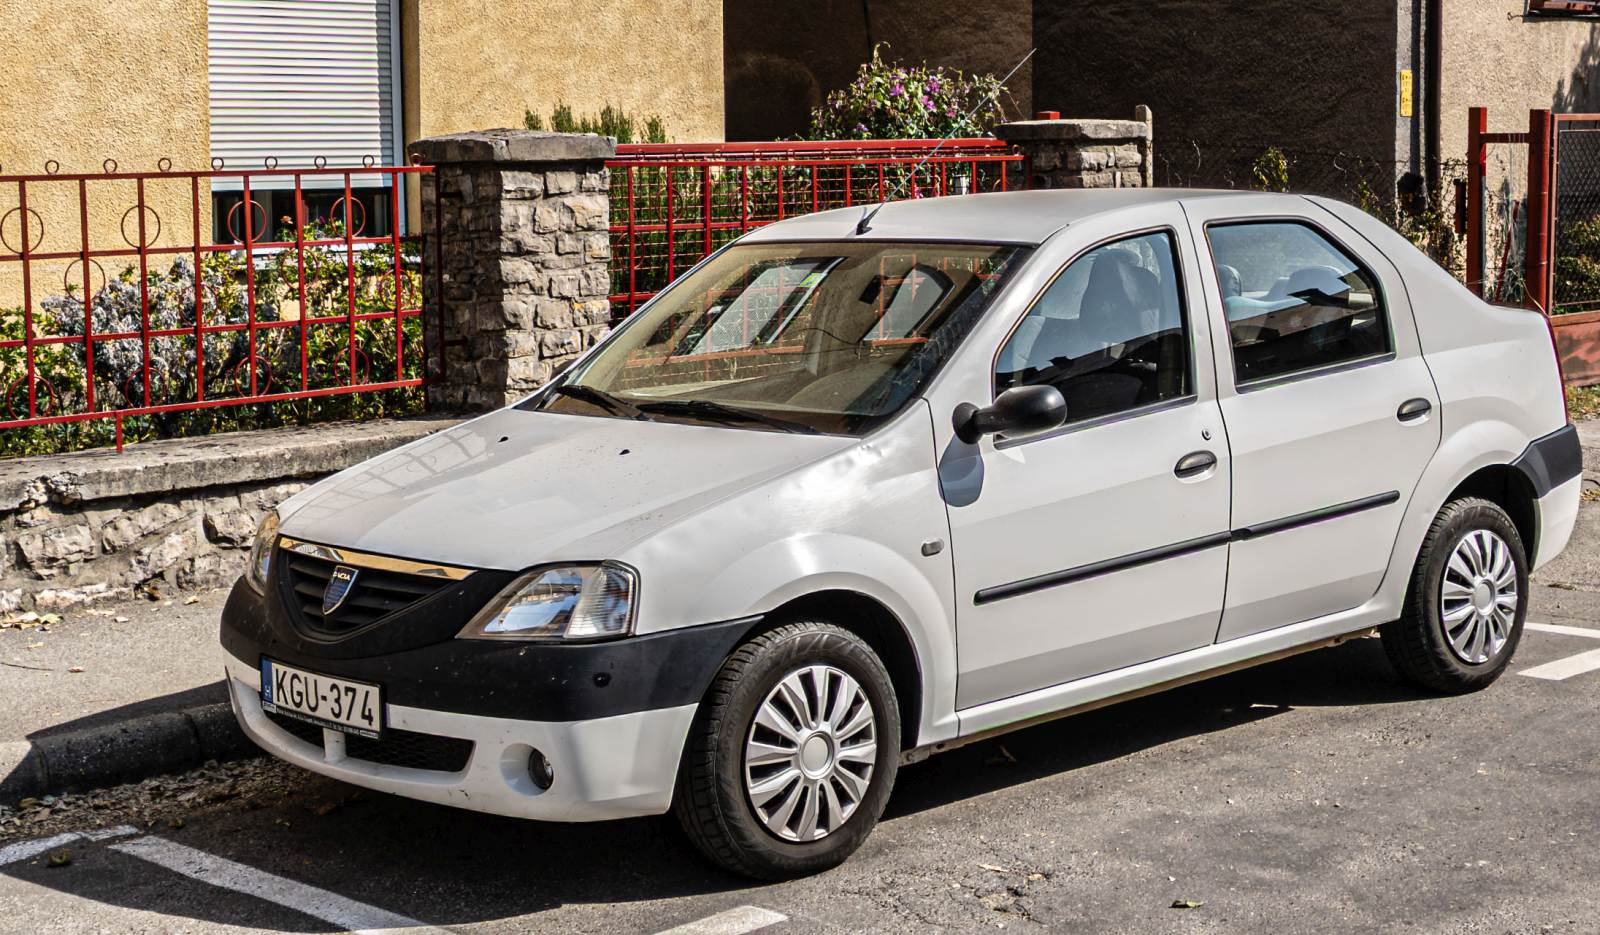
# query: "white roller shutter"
{"type": "Point", "coordinates": [298, 79]}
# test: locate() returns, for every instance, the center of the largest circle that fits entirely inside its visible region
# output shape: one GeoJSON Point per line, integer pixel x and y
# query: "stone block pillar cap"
{"type": "Point", "coordinates": [1072, 129]}
{"type": "Point", "coordinates": [507, 145]}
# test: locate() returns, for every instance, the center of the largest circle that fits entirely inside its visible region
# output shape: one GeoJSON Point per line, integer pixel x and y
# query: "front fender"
{"type": "Point", "coordinates": [786, 570]}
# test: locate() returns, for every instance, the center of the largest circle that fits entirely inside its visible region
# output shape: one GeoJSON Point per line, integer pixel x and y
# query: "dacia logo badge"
{"type": "Point", "coordinates": [340, 584]}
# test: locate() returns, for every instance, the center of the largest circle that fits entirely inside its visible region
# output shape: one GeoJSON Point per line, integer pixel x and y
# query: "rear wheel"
{"type": "Point", "coordinates": [792, 754]}
{"type": "Point", "coordinates": [1467, 601]}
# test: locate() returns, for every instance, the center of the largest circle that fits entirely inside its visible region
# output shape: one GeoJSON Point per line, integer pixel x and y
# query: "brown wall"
{"type": "Point", "coordinates": [1227, 80]}
{"type": "Point", "coordinates": [88, 80]}
{"type": "Point", "coordinates": [784, 56]}
{"type": "Point", "coordinates": [480, 63]}
{"type": "Point", "coordinates": [1496, 58]}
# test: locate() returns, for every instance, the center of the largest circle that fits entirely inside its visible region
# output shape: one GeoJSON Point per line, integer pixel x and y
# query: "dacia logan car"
{"type": "Point", "coordinates": [862, 486]}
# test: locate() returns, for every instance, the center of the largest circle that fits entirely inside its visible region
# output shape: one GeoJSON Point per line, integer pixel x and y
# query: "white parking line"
{"type": "Point", "coordinates": [1565, 668]}
{"type": "Point", "coordinates": [732, 922]}
{"type": "Point", "coordinates": [1563, 630]}
{"type": "Point", "coordinates": [27, 850]}
{"type": "Point", "coordinates": [310, 900]}
{"type": "Point", "coordinates": [1569, 666]}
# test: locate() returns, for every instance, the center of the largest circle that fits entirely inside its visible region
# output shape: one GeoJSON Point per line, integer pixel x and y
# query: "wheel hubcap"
{"type": "Point", "coordinates": [810, 753]}
{"type": "Point", "coordinates": [1478, 597]}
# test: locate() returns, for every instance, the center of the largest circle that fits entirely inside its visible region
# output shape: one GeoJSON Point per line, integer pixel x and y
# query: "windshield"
{"type": "Point", "coordinates": [820, 337]}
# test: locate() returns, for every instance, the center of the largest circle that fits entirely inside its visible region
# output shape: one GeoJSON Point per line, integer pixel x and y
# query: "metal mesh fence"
{"type": "Point", "coordinates": [1576, 278]}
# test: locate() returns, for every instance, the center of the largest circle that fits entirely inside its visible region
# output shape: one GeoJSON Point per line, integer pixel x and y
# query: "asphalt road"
{"type": "Point", "coordinates": [1314, 794]}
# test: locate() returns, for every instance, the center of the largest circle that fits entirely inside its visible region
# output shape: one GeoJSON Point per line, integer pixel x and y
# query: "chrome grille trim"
{"type": "Point", "coordinates": [368, 560]}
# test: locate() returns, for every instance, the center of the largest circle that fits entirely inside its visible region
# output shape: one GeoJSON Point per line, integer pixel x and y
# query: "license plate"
{"type": "Point", "coordinates": [323, 700]}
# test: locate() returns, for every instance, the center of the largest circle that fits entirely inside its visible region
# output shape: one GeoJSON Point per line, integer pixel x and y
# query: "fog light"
{"type": "Point", "coordinates": [540, 770]}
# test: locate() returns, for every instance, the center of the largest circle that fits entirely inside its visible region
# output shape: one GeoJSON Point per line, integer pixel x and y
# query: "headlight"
{"type": "Point", "coordinates": [261, 552]}
{"type": "Point", "coordinates": [569, 602]}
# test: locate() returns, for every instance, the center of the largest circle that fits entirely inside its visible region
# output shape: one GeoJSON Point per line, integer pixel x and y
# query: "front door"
{"type": "Point", "coordinates": [1102, 543]}
{"type": "Point", "coordinates": [1330, 411]}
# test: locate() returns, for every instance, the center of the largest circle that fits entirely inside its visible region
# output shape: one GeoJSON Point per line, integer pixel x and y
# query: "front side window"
{"type": "Point", "coordinates": [1109, 333]}
{"type": "Point", "coordinates": [1294, 301]}
{"type": "Point", "coordinates": [810, 337]}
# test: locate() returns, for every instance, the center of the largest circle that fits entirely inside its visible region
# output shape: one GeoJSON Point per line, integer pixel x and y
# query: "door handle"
{"type": "Point", "coordinates": [1413, 409]}
{"type": "Point", "coordinates": [1195, 462]}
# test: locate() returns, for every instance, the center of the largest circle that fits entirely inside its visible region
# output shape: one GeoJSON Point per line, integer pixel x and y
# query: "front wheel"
{"type": "Point", "coordinates": [792, 754]}
{"type": "Point", "coordinates": [1466, 603]}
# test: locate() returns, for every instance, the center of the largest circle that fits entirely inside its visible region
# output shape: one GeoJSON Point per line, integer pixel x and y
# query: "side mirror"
{"type": "Point", "coordinates": [1021, 410]}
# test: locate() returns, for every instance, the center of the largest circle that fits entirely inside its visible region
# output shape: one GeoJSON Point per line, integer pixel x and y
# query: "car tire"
{"type": "Point", "coordinates": [1447, 642]}
{"type": "Point", "coordinates": [731, 759]}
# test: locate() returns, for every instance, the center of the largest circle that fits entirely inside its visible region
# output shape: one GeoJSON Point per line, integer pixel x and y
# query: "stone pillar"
{"type": "Point", "coordinates": [516, 224]}
{"type": "Point", "coordinates": [1084, 153]}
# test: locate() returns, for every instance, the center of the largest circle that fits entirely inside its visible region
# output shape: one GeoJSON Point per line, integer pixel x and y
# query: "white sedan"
{"type": "Point", "coordinates": [857, 489]}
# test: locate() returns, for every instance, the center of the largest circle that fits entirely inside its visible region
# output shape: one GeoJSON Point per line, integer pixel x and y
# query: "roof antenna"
{"type": "Point", "coordinates": [865, 224]}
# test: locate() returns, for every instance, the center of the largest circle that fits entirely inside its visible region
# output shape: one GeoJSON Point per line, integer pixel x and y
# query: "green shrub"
{"type": "Point", "coordinates": [1577, 274]}
{"type": "Point", "coordinates": [611, 121]}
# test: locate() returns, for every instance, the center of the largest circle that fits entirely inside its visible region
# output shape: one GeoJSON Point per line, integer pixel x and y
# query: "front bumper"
{"type": "Point", "coordinates": [611, 717]}
{"type": "Point", "coordinates": [609, 767]}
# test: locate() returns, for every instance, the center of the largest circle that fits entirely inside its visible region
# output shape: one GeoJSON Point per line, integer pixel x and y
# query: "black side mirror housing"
{"type": "Point", "coordinates": [1021, 410]}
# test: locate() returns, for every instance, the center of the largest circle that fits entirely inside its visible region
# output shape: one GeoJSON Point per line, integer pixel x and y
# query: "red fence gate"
{"type": "Point", "coordinates": [144, 294]}
{"type": "Point", "coordinates": [1548, 214]}
{"type": "Point", "coordinates": [673, 204]}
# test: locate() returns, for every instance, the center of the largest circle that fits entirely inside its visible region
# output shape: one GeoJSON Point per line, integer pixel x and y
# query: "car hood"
{"type": "Point", "coordinates": [517, 488]}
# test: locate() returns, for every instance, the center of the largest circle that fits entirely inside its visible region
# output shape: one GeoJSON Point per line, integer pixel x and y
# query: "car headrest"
{"type": "Point", "coordinates": [1229, 281]}
{"type": "Point", "coordinates": [1310, 281]}
{"type": "Point", "coordinates": [1118, 291]}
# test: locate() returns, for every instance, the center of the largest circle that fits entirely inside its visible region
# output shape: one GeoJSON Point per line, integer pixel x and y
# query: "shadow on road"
{"type": "Point", "coordinates": [452, 867]}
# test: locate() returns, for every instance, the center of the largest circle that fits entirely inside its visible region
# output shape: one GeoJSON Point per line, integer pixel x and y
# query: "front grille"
{"type": "Point", "coordinates": [300, 730]}
{"type": "Point", "coordinates": [375, 594]}
{"type": "Point", "coordinates": [411, 749]}
{"type": "Point", "coordinates": [397, 748]}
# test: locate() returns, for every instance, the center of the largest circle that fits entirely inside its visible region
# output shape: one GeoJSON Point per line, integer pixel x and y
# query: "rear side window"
{"type": "Point", "coordinates": [1109, 332]}
{"type": "Point", "coordinates": [1294, 300]}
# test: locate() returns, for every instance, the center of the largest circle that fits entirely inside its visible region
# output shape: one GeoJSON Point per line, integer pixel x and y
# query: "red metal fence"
{"type": "Point", "coordinates": [273, 284]}
{"type": "Point", "coordinates": [673, 204]}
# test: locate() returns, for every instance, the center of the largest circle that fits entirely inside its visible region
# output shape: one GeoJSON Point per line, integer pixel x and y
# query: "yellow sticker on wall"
{"type": "Point", "coordinates": [1405, 92]}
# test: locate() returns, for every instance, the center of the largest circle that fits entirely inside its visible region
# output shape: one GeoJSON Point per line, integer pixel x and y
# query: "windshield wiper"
{"type": "Point", "coordinates": [706, 409]}
{"type": "Point", "coordinates": [601, 398]}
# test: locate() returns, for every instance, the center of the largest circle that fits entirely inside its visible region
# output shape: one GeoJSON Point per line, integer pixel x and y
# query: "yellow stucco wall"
{"type": "Point", "coordinates": [480, 63]}
{"type": "Point", "coordinates": [1496, 58]}
{"type": "Point", "coordinates": [88, 80]}
{"type": "Point", "coordinates": [126, 79]}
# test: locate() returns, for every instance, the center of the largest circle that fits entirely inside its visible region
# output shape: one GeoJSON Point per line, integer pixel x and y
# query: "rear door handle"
{"type": "Point", "coordinates": [1195, 462]}
{"type": "Point", "coordinates": [1413, 409]}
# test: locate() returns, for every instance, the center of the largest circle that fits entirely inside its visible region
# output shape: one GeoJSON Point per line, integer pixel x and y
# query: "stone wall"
{"type": "Point", "coordinates": [98, 525]}
{"type": "Point", "coordinates": [523, 221]}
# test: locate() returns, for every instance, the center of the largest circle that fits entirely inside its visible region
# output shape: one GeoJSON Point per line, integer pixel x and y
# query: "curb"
{"type": "Point", "coordinates": [135, 749]}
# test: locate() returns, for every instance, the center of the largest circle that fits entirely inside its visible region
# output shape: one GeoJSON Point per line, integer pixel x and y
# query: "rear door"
{"type": "Point", "coordinates": [1330, 410]}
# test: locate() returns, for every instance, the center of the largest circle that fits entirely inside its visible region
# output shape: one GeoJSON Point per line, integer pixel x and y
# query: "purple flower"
{"type": "Point", "coordinates": [950, 111]}
{"type": "Point", "coordinates": [927, 103]}
{"type": "Point", "coordinates": [861, 128]}
{"type": "Point", "coordinates": [897, 90]}
{"type": "Point", "coordinates": [933, 85]}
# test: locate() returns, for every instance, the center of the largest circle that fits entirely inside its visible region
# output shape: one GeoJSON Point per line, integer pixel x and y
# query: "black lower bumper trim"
{"type": "Point", "coordinates": [506, 678]}
{"type": "Point", "coordinates": [1551, 460]}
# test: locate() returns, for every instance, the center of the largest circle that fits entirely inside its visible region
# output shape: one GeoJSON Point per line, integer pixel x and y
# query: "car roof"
{"type": "Point", "coordinates": [1022, 217]}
